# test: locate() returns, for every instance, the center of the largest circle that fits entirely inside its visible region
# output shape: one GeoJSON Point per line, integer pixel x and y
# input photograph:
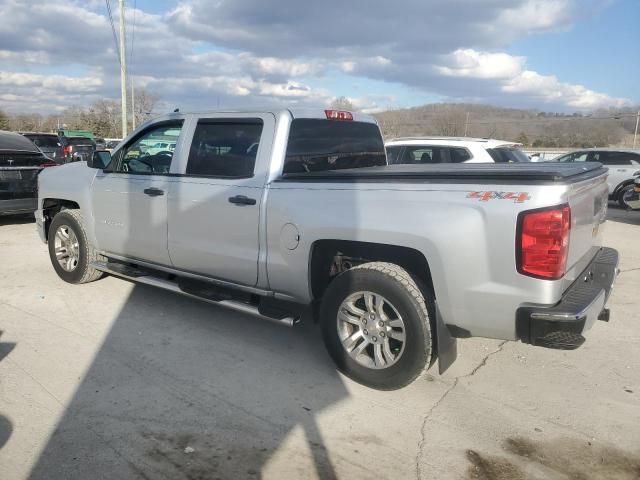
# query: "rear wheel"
{"type": "Point", "coordinates": [376, 325]}
{"type": "Point", "coordinates": [70, 251]}
{"type": "Point", "coordinates": [624, 194]}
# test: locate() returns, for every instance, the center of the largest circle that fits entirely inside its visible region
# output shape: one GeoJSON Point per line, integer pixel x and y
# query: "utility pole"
{"type": "Point", "coordinates": [123, 71]}
{"type": "Point", "coordinates": [635, 133]}
{"type": "Point", "coordinates": [466, 125]}
{"type": "Point", "coordinates": [133, 106]}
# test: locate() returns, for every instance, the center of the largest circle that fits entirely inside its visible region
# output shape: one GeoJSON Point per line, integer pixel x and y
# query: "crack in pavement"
{"type": "Point", "coordinates": [441, 399]}
{"type": "Point", "coordinates": [629, 270]}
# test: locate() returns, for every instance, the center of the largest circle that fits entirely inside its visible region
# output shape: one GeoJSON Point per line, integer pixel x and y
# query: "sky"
{"type": "Point", "coordinates": [550, 55]}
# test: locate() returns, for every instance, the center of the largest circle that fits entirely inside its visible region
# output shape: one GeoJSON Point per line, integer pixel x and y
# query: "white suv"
{"type": "Point", "coordinates": [453, 150]}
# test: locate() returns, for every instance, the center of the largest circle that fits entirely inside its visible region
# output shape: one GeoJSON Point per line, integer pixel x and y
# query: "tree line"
{"type": "Point", "coordinates": [601, 128]}
{"type": "Point", "coordinates": [102, 117]}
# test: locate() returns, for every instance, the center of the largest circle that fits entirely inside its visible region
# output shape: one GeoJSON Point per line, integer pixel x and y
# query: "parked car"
{"type": "Point", "coordinates": [160, 147]}
{"type": "Point", "coordinates": [48, 143]}
{"type": "Point", "coordinates": [111, 144]}
{"type": "Point", "coordinates": [101, 144]}
{"type": "Point", "coordinates": [623, 165]}
{"type": "Point", "coordinates": [76, 149]}
{"type": "Point", "coordinates": [417, 150]}
{"type": "Point", "coordinates": [631, 198]}
{"type": "Point", "coordinates": [20, 163]}
{"type": "Point", "coordinates": [270, 213]}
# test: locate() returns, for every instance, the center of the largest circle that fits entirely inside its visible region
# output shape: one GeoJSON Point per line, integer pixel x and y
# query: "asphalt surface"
{"type": "Point", "coordinates": [112, 380]}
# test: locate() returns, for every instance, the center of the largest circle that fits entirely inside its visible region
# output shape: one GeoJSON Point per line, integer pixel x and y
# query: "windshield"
{"type": "Point", "coordinates": [317, 145]}
{"type": "Point", "coordinates": [80, 141]}
{"type": "Point", "coordinates": [508, 155]}
{"type": "Point", "coordinates": [15, 141]}
{"type": "Point", "coordinates": [44, 141]}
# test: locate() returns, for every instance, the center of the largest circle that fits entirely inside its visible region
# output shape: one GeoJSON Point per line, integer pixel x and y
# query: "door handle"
{"type": "Point", "coordinates": [153, 192]}
{"type": "Point", "coordinates": [242, 200]}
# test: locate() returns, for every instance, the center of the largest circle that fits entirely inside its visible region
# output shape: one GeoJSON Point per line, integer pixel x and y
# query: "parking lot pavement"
{"type": "Point", "coordinates": [112, 380]}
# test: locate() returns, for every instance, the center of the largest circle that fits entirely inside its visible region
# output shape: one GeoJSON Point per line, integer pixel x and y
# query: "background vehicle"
{"type": "Point", "coordinates": [101, 144]}
{"type": "Point", "coordinates": [76, 149]}
{"type": "Point", "coordinates": [271, 213]}
{"type": "Point", "coordinates": [111, 144]}
{"type": "Point", "coordinates": [20, 164]}
{"type": "Point", "coordinates": [631, 198]}
{"type": "Point", "coordinates": [623, 165]}
{"type": "Point", "coordinates": [417, 150]}
{"type": "Point", "coordinates": [48, 143]}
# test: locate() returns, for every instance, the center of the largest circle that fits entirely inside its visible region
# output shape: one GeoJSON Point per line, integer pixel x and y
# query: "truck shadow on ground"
{"type": "Point", "coordinates": [561, 458]}
{"type": "Point", "coordinates": [16, 219]}
{"type": "Point", "coordinates": [183, 389]}
{"type": "Point", "coordinates": [620, 215]}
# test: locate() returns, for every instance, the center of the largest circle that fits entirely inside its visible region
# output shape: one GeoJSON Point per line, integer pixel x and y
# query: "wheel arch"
{"type": "Point", "coordinates": [324, 252]}
{"type": "Point", "coordinates": [621, 185]}
{"type": "Point", "coordinates": [51, 207]}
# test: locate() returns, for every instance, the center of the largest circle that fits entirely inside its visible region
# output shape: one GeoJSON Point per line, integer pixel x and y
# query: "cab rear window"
{"type": "Point", "coordinates": [318, 145]}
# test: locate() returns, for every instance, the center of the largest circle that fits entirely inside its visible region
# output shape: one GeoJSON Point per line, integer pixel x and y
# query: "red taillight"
{"type": "Point", "coordinates": [338, 115]}
{"type": "Point", "coordinates": [543, 242]}
{"type": "Point", "coordinates": [67, 150]}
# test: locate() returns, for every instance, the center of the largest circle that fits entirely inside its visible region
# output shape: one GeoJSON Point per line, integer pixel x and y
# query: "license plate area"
{"type": "Point", "coordinates": [10, 175]}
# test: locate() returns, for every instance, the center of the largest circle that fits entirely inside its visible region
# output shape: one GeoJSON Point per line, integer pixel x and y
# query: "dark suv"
{"type": "Point", "coordinates": [20, 164]}
{"type": "Point", "coordinates": [75, 149]}
{"type": "Point", "coordinates": [48, 143]}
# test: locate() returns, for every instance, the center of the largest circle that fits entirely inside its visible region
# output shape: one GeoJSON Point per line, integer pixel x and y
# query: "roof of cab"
{"type": "Point", "coordinates": [295, 112]}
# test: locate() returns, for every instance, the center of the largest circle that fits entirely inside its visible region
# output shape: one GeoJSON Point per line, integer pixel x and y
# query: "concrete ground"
{"type": "Point", "coordinates": [112, 380]}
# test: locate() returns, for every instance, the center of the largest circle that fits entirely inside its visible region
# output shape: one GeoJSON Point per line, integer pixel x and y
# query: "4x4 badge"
{"type": "Point", "coordinates": [517, 197]}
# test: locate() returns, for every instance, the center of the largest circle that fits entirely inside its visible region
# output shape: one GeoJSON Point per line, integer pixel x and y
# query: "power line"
{"type": "Point", "coordinates": [113, 29]}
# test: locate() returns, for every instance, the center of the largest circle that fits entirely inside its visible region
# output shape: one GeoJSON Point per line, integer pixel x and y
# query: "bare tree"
{"type": "Point", "coordinates": [342, 103]}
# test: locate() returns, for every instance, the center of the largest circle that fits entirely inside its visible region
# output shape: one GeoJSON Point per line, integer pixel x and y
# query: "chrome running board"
{"type": "Point", "coordinates": [131, 274]}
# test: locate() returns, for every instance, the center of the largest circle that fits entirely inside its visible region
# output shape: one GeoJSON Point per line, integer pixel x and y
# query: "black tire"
{"type": "Point", "coordinates": [621, 193]}
{"type": "Point", "coordinates": [82, 273]}
{"type": "Point", "coordinates": [398, 287]}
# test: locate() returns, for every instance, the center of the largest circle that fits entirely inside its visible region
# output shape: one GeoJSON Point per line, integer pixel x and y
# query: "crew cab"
{"type": "Point", "coordinates": [278, 213]}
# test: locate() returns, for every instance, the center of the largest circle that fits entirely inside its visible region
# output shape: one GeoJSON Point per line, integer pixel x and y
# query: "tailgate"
{"type": "Point", "coordinates": [588, 201]}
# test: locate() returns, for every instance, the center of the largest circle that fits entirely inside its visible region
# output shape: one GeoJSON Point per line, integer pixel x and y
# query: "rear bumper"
{"type": "Point", "coordinates": [562, 325]}
{"type": "Point", "coordinates": [18, 205]}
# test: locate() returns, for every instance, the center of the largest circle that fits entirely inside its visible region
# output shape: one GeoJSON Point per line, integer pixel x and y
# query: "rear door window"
{"type": "Point", "coordinates": [508, 155]}
{"type": "Point", "coordinates": [44, 141]}
{"type": "Point", "coordinates": [459, 154]}
{"type": "Point", "coordinates": [224, 149]}
{"type": "Point", "coordinates": [319, 145]}
{"type": "Point", "coordinates": [612, 158]}
{"type": "Point", "coordinates": [424, 154]}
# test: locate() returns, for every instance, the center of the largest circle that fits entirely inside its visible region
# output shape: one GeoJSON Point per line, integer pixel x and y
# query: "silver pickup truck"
{"type": "Point", "coordinates": [282, 213]}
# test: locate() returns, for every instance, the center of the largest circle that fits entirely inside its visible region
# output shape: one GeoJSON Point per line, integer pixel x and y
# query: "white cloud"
{"type": "Point", "coordinates": [248, 54]}
{"type": "Point", "coordinates": [469, 63]}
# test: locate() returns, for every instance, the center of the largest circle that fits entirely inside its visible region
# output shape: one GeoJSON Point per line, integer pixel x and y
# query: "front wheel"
{"type": "Point", "coordinates": [376, 325]}
{"type": "Point", "coordinates": [70, 251]}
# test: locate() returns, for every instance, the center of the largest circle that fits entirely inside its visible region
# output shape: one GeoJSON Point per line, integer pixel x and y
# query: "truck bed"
{"type": "Point", "coordinates": [553, 173]}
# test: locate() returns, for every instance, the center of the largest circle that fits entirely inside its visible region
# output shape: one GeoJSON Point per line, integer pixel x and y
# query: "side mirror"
{"type": "Point", "coordinates": [100, 159]}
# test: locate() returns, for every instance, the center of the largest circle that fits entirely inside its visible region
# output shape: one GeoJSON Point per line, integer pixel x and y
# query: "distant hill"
{"type": "Point", "coordinates": [530, 127]}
